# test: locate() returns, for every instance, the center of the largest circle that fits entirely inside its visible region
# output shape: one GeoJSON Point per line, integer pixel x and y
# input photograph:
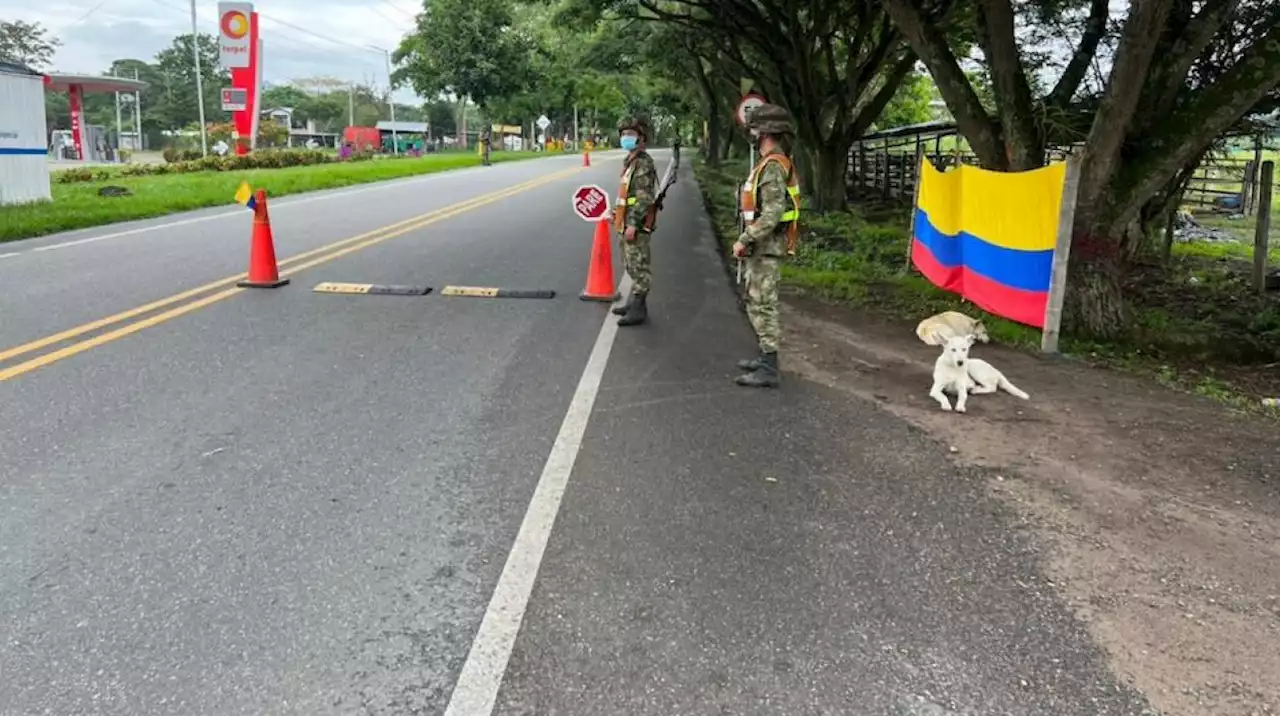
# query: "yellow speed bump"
{"type": "Point", "coordinates": [370, 288]}
{"type": "Point", "coordinates": [485, 292]}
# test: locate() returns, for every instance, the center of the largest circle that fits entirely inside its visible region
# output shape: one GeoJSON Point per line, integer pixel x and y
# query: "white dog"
{"type": "Point", "coordinates": [950, 324]}
{"type": "Point", "coordinates": [955, 372]}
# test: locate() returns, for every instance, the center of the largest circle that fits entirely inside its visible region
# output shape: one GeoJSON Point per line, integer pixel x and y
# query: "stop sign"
{"type": "Point", "coordinates": [590, 202]}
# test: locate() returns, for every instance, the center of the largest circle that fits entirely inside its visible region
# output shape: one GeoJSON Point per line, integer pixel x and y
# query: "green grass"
{"type": "Point", "coordinates": [78, 206]}
{"type": "Point", "coordinates": [1195, 322]}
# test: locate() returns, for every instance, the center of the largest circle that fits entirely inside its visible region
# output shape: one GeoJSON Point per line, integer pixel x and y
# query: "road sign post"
{"type": "Point", "coordinates": [745, 105]}
{"type": "Point", "coordinates": [590, 202]}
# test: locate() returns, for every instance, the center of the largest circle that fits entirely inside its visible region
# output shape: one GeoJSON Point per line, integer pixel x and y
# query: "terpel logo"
{"type": "Point", "coordinates": [234, 24]}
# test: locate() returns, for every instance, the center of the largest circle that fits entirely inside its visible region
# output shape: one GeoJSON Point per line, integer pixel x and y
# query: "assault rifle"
{"type": "Point", "coordinates": [668, 178]}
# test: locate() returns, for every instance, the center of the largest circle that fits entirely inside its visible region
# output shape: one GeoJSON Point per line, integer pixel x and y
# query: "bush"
{"type": "Point", "coordinates": [80, 174]}
{"type": "Point", "coordinates": [173, 154]}
{"type": "Point", "coordinates": [261, 159]}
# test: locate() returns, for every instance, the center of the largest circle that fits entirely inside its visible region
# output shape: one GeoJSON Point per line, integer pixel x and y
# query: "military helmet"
{"type": "Point", "coordinates": [769, 119]}
{"type": "Point", "coordinates": [638, 124]}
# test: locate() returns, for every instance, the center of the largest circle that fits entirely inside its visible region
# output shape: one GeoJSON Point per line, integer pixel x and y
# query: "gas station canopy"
{"type": "Point", "coordinates": [76, 86]}
{"type": "Point", "coordinates": [92, 83]}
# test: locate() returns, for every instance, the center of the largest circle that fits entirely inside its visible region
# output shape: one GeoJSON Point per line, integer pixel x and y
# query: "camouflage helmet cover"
{"type": "Point", "coordinates": [638, 124]}
{"type": "Point", "coordinates": [769, 119]}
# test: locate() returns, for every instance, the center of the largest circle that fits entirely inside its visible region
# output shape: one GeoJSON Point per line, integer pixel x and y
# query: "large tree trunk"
{"type": "Point", "coordinates": [930, 42]}
{"type": "Point", "coordinates": [712, 102]}
{"type": "Point", "coordinates": [712, 150]}
{"type": "Point", "coordinates": [1094, 303]}
{"type": "Point", "coordinates": [827, 166]}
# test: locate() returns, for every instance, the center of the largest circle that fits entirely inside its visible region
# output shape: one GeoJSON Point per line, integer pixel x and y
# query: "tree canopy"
{"type": "Point", "coordinates": [27, 43]}
{"type": "Point", "coordinates": [1143, 94]}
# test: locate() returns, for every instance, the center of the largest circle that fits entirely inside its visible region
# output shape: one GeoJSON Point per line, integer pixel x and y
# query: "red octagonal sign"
{"type": "Point", "coordinates": [590, 202]}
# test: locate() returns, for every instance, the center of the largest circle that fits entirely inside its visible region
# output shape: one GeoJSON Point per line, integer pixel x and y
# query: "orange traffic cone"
{"type": "Point", "coordinates": [586, 159]}
{"type": "Point", "coordinates": [263, 271]}
{"type": "Point", "coordinates": [600, 286]}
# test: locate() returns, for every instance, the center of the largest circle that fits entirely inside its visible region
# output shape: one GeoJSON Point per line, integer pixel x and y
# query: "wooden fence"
{"type": "Point", "coordinates": [1230, 186]}
{"type": "Point", "coordinates": [886, 165]}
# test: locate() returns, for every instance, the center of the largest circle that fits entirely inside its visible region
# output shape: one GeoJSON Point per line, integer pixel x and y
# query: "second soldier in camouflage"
{"type": "Point", "coordinates": [636, 195]}
{"type": "Point", "coordinates": [773, 198]}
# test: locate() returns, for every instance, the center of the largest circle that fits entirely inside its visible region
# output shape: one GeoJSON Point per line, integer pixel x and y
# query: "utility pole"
{"type": "Point", "coordinates": [577, 140]}
{"type": "Point", "coordinates": [195, 55]}
{"type": "Point", "coordinates": [391, 100]}
{"type": "Point", "coordinates": [119, 124]}
{"type": "Point", "coordinates": [137, 116]}
{"type": "Point", "coordinates": [351, 105]}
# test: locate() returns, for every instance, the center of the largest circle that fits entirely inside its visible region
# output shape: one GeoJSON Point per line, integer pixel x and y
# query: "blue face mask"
{"type": "Point", "coordinates": [628, 142]}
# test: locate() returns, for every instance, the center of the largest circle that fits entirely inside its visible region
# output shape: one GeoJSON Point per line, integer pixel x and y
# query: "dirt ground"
{"type": "Point", "coordinates": [1158, 512]}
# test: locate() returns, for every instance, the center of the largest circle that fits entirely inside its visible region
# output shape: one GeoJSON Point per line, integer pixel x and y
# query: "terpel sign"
{"type": "Point", "coordinates": [234, 34]}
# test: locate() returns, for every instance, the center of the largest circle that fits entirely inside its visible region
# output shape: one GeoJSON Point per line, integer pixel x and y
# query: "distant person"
{"type": "Point", "coordinates": [485, 138]}
{"type": "Point", "coordinates": [771, 212]}
{"type": "Point", "coordinates": [636, 195]}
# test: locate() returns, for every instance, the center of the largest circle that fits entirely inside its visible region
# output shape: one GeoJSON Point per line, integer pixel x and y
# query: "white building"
{"type": "Point", "coordinates": [24, 174]}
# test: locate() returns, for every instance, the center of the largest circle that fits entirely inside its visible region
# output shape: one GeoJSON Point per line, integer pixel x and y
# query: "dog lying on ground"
{"type": "Point", "coordinates": [950, 324]}
{"type": "Point", "coordinates": [955, 372]}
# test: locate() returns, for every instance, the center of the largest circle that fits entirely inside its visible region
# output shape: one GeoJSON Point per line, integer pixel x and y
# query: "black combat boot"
{"type": "Point", "coordinates": [751, 364]}
{"type": "Point", "coordinates": [765, 376]}
{"type": "Point", "coordinates": [637, 312]}
{"type": "Point", "coordinates": [622, 308]}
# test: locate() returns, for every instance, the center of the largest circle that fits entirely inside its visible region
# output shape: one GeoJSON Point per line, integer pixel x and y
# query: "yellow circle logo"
{"type": "Point", "coordinates": [235, 25]}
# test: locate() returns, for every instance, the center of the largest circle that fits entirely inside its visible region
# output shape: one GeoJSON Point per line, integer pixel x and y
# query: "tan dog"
{"type": "Point", "coordinates": [950, 324]}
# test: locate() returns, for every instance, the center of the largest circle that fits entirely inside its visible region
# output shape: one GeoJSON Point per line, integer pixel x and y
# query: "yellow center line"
{"type": "Point", "coordinates": [370, 239]}
{"type": "Point", "coordinates": [176, 298]}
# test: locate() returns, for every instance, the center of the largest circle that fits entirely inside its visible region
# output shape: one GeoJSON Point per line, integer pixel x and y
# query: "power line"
{"type": "Point", "coordinates": [278, 21]}
{"type": "Point", "coordinates": [299, 28]}
{"type": "Point", "coordinates": [393, 7]}
{"type": "Point", "coordinates": [276, 37]}
{"type": "Point", "coordinates": [382, 14]}
{"type": "Point", "coordinates": [81, 19]}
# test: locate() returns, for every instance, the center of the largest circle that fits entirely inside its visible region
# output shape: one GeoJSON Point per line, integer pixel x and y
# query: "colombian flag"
{"type": "Point", "coordinates": [244, 195]}
{"type": "Point", "coordinates": [990, 236]}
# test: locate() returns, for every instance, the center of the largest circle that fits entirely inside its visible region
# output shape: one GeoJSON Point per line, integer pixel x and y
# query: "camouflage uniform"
{"type": "Point", "coordinates": [765, 240]}
{"type": "Point", "coordinates": [641, 192]}
{"type": "Point", "coordinates": [485, 142]}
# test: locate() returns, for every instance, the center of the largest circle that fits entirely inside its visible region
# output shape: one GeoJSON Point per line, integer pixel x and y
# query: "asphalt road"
{"type": "Point", "coordinates": [285, 502]}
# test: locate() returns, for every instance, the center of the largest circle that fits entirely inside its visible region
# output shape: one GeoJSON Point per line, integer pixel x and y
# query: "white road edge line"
{"type": "Point", "coordinates": [476, 691]}
{"type": "Point", "coordinates": [15, 253]}
{"type": "Point", "coordinates": [283, 202]}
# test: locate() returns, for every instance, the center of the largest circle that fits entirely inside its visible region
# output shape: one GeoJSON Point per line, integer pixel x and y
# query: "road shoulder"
{"type": "Point", "coordinates": [1156, 512]}
{"type": "Point", "coordinates": [724, 550]}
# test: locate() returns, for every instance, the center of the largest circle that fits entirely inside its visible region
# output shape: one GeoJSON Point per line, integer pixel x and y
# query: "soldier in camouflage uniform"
{"type": "Point", "coordinates": [635, 201]}
{"type": "Point", "coordinates": [486, 140]}
{"type": "Point", "coordinates": [763, 242]}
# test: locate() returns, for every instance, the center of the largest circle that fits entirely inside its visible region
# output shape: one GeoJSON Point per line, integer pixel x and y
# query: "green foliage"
{"type": "Point", "coordinates": [910, 103]}
{"type": "Point", "coordinates": [331, 103]}
{"type": "Point", "coordinates": [27, 43]}
{"type": "Point", "coordinates": [468, 48]}
{"type": "Point", "coordinates": [173, 85]}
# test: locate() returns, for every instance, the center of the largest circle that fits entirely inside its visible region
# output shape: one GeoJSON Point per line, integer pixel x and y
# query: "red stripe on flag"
{"type": "Point", "coordinates": [1015, 304]}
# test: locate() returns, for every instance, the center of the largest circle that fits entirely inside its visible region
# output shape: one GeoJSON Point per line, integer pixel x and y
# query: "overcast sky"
{"type": "Point", "coordinates": [138, 29]}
